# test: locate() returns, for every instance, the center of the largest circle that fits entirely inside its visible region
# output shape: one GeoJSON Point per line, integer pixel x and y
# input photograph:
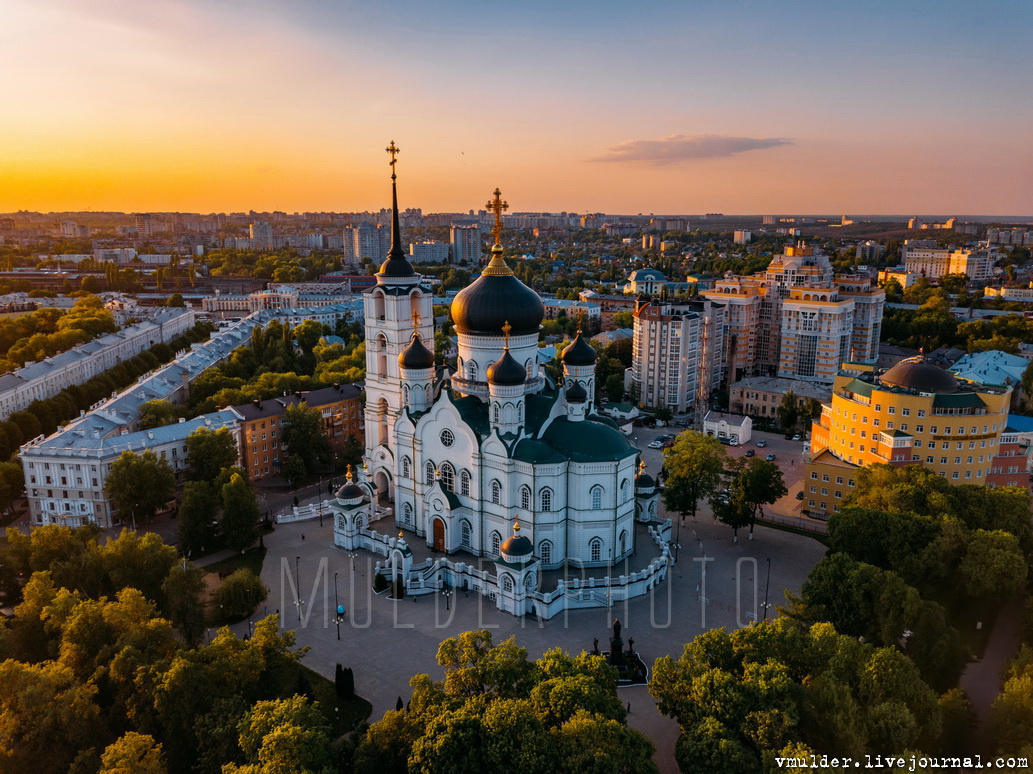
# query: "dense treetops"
{"type": "Point", "coordinates": [49, 331]}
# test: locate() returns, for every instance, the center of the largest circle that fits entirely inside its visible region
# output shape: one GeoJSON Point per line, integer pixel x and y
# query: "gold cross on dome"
{"type": "Point", "coordinates": [393, 150]}
{"type": "Point", "coordinates": [505, 332]}
{"type": "Point", "coordinates": [415, 321]}
{"type": "Point", "coordinates": [498, 206]}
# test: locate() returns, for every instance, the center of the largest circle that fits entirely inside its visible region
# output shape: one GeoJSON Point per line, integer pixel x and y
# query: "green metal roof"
{"type": "Point", "coordinates": [958, 400]}
{"type": "Point", "coordinates": [530, 450]}
{"type": "Point", "coordinates": [587, 441]}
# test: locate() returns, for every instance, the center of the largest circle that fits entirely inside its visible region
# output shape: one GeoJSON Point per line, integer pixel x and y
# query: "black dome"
{"type": "Point", "coordinates": [579, 353]}
{"type": "Point", "coordinates": [576, 393]}
{"type": "Point", "coordinates": [644, 481]}
{"type": "Point", "coordinates": [517, 545]}
{"type": "Point", "coordinates": [397, 265]}
{"type": "Point", "coordinates": [506, 371]}
{"type": "Point", "coordinates": [416, 355]}
{"type": "Point", "coordinates": [350, 491]}
{"type": "Point", "coordinates": [914, 373]}
{"type": "Point", "coordinates": [495, 298]}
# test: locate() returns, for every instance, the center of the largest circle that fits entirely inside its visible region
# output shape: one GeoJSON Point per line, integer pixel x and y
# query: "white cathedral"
{"type": "Point", "coordinates": [461, 457]}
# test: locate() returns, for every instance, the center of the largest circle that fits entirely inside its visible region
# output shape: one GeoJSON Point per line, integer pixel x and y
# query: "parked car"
{"type": "Point", "coordinates": [762, 443]}
{"type": "Point", "coordinates": [770, 457]}
{"type": "Point", "coordinates": [656, 445]}
{"type": "Point", "coordinates": [681, 423]}
{"type": "Point", "coordinates": [797, 437]}
{"type": "Point", "coordinates": [799, 495]}
{"type": "Point", "coordinates": [750, 452]}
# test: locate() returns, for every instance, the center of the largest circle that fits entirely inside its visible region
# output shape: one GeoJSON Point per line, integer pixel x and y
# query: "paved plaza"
{"type": "Point", "coordinates": [386, 641]}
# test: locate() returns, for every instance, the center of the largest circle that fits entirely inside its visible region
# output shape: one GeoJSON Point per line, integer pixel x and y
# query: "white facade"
{"type": "Point", "coordinates": [429, 252]}
{"type": "Point", "coordinates": [466, 244]}
{"type": "Point", "coordinates": [728, 426]}
{"type": "Point", "coordinates": [48, 377]}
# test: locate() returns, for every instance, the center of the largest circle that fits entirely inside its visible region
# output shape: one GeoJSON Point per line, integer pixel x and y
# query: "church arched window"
{"type": "Point", "coordinates": [408, 514]}
{"type": "Point", "coordinates": [545, 551]}
{"type": "Point", "coordinates": [464, 483]}
{"type": "Point", "coordinates": [623, 541]}
{"type": "Point", "coordinates": [525, 498]}
{"type": "Point", "coordinates": [597, 497]}
{"type": "Point", "coordinates": [471, 370]}
{"type": "Point", "coordinates": [428, 473]}
{"type": "Point", "coordinates": [529, 581]}
{"type": "Point", "coordinates": [378, 305]}
{"type": "Point", "coordinates": [406, 468]}
{"type": "Point", "coordinates": [496, 541]}
{"type": "Point", "coordinates": [546, 497]}
{"type": "Point", "coordinates": [625, 486]}
{"type": "Point", "coordinates": [465, 533]}
{"type": "Point", "coordinates": [507, 583]}
{"type": "Point", "coordinates": [529, 367]}
{"type": "Point", "coordinates": [360, 522]}
{"type": "Point", "coordinates": [596, 549]}
{"type": "Point", "coordinates": [495, 414]}
{"type": "Point", "coordinates": [448, 477]}
{"type": "Point", "coordinates": [496, 493]}
{"type": "Point", "coordinates": [652, 510]}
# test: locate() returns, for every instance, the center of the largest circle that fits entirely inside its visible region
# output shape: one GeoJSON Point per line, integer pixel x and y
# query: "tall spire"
{"type": "Point", "coordinates": [396, 232]}
{"type": "Point", "coordinates": [396, 265]}
{"type": "Point", "coordinates": [497, 267]}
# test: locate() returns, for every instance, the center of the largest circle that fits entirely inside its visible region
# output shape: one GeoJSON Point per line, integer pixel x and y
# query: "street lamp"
{"type": "Point", "coordinates": [297, 584]}
{"type": "Point", "coordinates": [767, 586]}
{"type": "Point", "coordinates": [446, 592]}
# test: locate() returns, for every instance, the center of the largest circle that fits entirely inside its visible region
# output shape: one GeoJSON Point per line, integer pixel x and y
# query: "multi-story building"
{"type": "Point", "coordinates": [1010, 467]}
{"type": "Point", "coordinates": [365, 241]}
{"type": "Point", "coordinates": [554, 307]}
{"type": "Point", "coordinates": [47, 378]}
{"type": "Point", "coordinates": [609, 305]}
{"type": "Point", "coordinates": [65, 473]}
{"type": "Point", "coordinates": [677, 353]}
{"type": "Point", "coordinates": [797, 319]}
{"type": "Point", "coordinates": [429, 252]}
{"type": "Point", "coordinates": [262, 421]}
{"type": "Point", "coordinates": [977, 265]}
{"type": "Point", "coordinates": [1021, 295]}
{"type": "Point", "coordinates": [913, 414]}
{"type": "Point", "coordinates": [261, 233]}
{"type": "Point", "coordinates": [921, 257]}
{"type": "Point", "coordinates": [760, 396]}
{"type": "Point", "coordinates": [869, 251]}
{"type": "Point", "coordinates": [466, 244]}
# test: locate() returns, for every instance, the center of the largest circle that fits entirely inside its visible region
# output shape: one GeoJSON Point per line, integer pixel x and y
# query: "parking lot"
{"type": "Point", "coordinates": [789, 456]}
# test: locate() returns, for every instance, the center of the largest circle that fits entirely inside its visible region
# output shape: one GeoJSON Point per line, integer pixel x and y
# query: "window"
{"type": "Point", "coordinates": [824, 491]}
{"type": "Point", "coordinates": [448, 477]}
{"type": "Point", "coordinates": [495, 413]}
{"type": "Point", "coordinates": [597, 497]}
{"type": "Point", "coordinates": [496, 493]}
{"type": "Point", "coordinates": [447, 438]}
{"type": "Point", "coordinates": [408, 514]}
{"type": "Point", "coordinates": [839, 479]}
{"type": "Point", "coordinates": [825, 477]}
{"type": "Point", "coordinates": [545, 551]}
{"type": "Point", "coordinates": [525, 498]}
{"type": "Point", "coordinates": [464, 483]}
{"type": "Point", "coordinates": [814, 475]}
{"type": "Point", "coordinates": [507, 583]}
{"type": "Point", "coordinates": [546, 499]}
{"type": "Point", "coordinates": [596, 549]}
{"type": "Point", "coordinates": [496, 541]}
{"type": "Point", "coordinates": [428, 473]}
{"type": "Point", "coordinates": [406, 467]}
{"type": "Point", "coordinates": [624, 490]}
{"type": "Point", "coordinates": [906, 412]}
{"type": "Point", "coordinates": [839, 494]}
{"type": "Point", "coordinates": [921, 412]}
{"type": "Point", "coordinates": [465, 533]}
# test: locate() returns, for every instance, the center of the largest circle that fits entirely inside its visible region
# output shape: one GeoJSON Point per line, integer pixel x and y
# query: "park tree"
{"type": "Point", "coordinates": [210, 451]}
{"type": "Point", "coordinates": [157, 413]}
{"type": "Point", "coordinates": [615, 387]}
{"type": "Point", "coordinates": [182, 592]}
{"type": "Point", "coordinates": [993, 564]}
{"type": "Point", "coordinates": [731, 509]}
{"type": "Point", "coordinates": [239, 523]}
{"type": "Point", "coordinates": [663, 413]}
{"type": "Point", "coordinates": [304, 435]}
{"type": "Point", "coordinates": [197, 511]}
{"type": "Point", "coordinates": [693, 470]}
{"type": "Point", "coordinates": [788, 412]}
{"type": "Point", "coordinates": [133, 753]}
{"type": "Point", "coordinates": [176, 300]}
{"type": "Point", "coordinates": [139, 484]}
{"type": "Point", "coordinates": [758, 483]}
{"type": "Point", "coordinates": [239, 595]}
{"type": "Point", "coordinates": [282, 735]}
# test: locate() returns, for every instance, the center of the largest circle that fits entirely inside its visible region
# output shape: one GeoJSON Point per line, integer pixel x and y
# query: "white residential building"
{"type": "Point", "coordinates": [466, 244]}
{"type": "Point", "coordinates": [429, 252]}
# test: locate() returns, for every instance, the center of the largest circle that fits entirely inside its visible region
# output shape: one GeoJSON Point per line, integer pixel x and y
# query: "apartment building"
{"type": "Point", "coordinates": [677, 353]}
{"type": "Point", "coordinates": [760, 396]}
{"type": "Point", "coordinates": [262, 422]}
{"type": "Point", "coordinates": [465, 241]}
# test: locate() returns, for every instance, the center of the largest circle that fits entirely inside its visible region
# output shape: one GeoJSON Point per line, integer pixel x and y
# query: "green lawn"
{"type": "Point", "coordinates": [252, 559]}
{"type": "Point", "coordinates": [342, 714]}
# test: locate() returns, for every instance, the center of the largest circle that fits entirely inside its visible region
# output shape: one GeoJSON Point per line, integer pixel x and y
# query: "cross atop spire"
{"type": "Point", "coordinates": [498, 206]}
{"type": "Point", "coordinates": [415, 320]}
{"type": "Point", "coordinates": [505, 332]}
{"type": "Point", "coordinates": [393, 150]}
{"type": "Point", "coordinates": [349, 474]}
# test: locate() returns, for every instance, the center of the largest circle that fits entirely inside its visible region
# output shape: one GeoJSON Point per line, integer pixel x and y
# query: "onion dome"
{"type": "Point", "coordinates": [644, 481]}
{"type": "Point", "coordinates": [495, 297]}
{"type": "Point", "coordinates": [579, 353]}
{"type": "Point", "coordinates": [351, 490]}
{"type": "Point", "coordinates": [576, 393]}
{"type": "Point", "coordinates": [916, 373]}
{"type": "Point", "coordinates": [396, 265]}
{"type": "Point", "coordinates": [516, 548]}
{"type": "Point", "coordinates": [506, 371]}
{"type": "Point", "coordinates": [416, 356]}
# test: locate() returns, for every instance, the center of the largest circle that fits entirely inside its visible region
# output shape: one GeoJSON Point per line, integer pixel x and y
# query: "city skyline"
{"type": "Point", "coordinates": [184, 106]}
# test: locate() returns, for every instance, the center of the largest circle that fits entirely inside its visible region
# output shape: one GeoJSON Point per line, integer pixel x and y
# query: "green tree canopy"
{"type": "Point", "coordinates": [693, 467]}
{"type": "Point", "coordinates": [210, 451]}
{"type": "Point", "coordinates": [139, 484]}
{"type": "Point", "coordinates": [158, 413]}
{"type": "Point", "coordinates": [239, 523]}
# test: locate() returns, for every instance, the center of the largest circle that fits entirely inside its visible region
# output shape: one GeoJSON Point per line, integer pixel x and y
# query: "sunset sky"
{"type": "Point", "coordinates": [668, 107]}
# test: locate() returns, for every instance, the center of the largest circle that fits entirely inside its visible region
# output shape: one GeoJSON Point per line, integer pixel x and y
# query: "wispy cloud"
{"type": "Point", "coordinates": [684, 147]}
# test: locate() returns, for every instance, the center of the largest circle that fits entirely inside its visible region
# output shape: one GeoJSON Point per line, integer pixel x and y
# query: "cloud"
{"type": "Point", "coordinates": [684, 147]}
